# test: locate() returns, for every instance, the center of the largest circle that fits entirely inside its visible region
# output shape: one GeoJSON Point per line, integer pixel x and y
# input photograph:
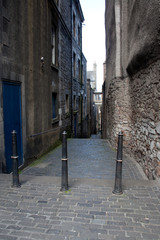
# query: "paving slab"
{"type": "Point", "coordinates": [87, 158]}
{"type": "Point", "coordinates": [88, 210]}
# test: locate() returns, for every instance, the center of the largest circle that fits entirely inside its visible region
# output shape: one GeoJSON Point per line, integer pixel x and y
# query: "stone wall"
{"type": "Point", "coordinates": [25, 37]}
{"type": "Point", "coordinates": [31, 21]}
{"type": "Point", "coordinates": [118, 109]}
{"type": "Point", "coordinates": [1, 112]}
{"type": "Point", "coordinates": [65, 78]}
{"type": "Point", "coordinates": [144, 90]}
{"type": "Point", "coordinates": [131, 88]}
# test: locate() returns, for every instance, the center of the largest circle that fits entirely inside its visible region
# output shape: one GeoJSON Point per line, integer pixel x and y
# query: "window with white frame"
{"type": "Point", "coordinates": [54, 44]}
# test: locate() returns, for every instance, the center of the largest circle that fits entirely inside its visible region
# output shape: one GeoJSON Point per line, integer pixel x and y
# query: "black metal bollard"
{"type": "Point", "coordinates": [64, 179]}
{"type": "Point", "coordinates": [118, 175]}
{"type": "Point", "coordinates": [15, 160]}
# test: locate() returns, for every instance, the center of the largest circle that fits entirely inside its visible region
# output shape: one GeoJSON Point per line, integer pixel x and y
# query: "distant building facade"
{"type": "Point", "coordinates": [132, 85]}
{"type": "Point", "coordinates": [92, 75]}
{"type": "Point", "coordinates": [79, 80]}
{"type": "Point", "coordinates": [97, 101]}
{"type": "Point", "coordinates": [42, 70]}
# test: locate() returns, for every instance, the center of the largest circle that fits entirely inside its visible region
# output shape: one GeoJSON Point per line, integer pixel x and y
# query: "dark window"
{"type": "Point", "coordinates": [5, 3]}
{"type": "Point", "coordinates": [79, 36]}
{"type": "Point", "coordinates": [54, 105]}
{"type": "Point", "coordinates": [80, 110]}
{"type": "Point", "coordinates": [5, 25]}
{"type": "Point", "coordinates": [5, 50]}
{"type": "Point", "coordinates": [74, 25]}
{"type": "Point", "coordinates": [75, 102]}
{"type": "Point", "coordinates": [74, 65]}
{"type": "Point", "coordinates": [67, 104]}
{"type": "Point", "coordinates": [79, 70]}
{"type": "Point", "coordinates": [82, 74]}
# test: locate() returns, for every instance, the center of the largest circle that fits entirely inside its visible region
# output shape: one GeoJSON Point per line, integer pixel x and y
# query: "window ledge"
{"type": "Point", "coordinates": [53, 66]}
{"type": "Point", "coordinates": [55, 120]}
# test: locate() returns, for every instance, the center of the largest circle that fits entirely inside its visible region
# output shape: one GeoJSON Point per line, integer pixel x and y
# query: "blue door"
{"type": "Point", "coordinates": [12, 121]}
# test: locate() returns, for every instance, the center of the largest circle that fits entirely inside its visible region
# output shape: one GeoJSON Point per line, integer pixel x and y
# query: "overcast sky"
{"type": "Point", "coordinates": [94, 36]}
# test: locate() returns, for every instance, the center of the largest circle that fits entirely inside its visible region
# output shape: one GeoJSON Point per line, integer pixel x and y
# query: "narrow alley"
{"type": "Point", "coordinates": [87, 158]}
{"type": "Point", "coordinates": [88, 210]}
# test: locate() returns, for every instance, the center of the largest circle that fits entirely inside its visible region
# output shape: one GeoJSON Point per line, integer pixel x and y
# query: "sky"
{"type": "Point", "coordinates": [93, 36]}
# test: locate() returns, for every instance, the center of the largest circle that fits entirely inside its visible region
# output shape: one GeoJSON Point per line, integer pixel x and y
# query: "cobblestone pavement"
{"type": "Point", "coordinates": [89, 210]}
{"type": "Point", "coordinates": [88, 158]}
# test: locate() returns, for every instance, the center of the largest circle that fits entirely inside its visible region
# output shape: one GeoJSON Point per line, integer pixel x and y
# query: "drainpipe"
{"type": "Point", "coordinates": [81, 86]}
{"type": "Point", "coordinates": [71, 4]}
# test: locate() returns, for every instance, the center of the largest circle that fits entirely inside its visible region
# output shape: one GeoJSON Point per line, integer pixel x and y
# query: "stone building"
{"type": "Point", "coordinates": [92, 75]}
{"type": "Point", "coordinates": [90, 110]}
{"type": "Point", "coordinates": [132, 86]}
{"type": "Point", "coordinates": [37, 72]}
{"type": "Point", "coordinates": [79, 80]}
{"type": "Point", "coordinates": [97, 101]}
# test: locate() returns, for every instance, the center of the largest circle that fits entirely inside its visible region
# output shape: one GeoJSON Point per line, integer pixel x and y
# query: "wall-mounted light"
{"type": "Point", "coordinates": [42, 62]}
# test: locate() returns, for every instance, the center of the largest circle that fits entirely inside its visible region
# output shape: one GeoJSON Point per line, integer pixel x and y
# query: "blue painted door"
{"type": "Point", "coordinates": [12, 121]}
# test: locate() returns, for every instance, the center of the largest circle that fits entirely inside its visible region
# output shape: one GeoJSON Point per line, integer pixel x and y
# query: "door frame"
{"type": "Point", "coordinates": [19, 78]}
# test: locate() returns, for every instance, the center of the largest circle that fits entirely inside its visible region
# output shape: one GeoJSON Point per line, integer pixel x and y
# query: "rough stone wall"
{"type": "Point", "coordinates": [143, 34]}
{"type": "Point", "coordinates": [65, 8]}
{"type": "Point", "coordinates": [118, 111]}
{"type": "Point", "coordinates": [65, 68]}
{"type": "Point", "coordinates": [143, 69]}
{"type": "Point", "coordinates": [145, 95]}
{"type": "Point", "coordinates": [110, 42]}
{"type": "Point", "coordinates": [65, 65]}
{"type": "Point", "coordinates": [132, 96]}
{"type": "Point", "coordinates": [116, 105]}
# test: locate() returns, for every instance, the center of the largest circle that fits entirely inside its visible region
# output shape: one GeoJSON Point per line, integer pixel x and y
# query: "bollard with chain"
{"type": "Point", "coordinates": [15, 160]}
{"type": "Point", "coordinates": [64, 180]}
{"type": "Point", "coordinates": [118, 175]}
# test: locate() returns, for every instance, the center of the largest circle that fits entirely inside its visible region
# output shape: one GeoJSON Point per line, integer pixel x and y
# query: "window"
{"type": "Point", "coordinates": [5, 25]}
{"type": "Point", "coordinates": [74, 25]}
{"type": "Point", "coordinates": [5, 3]}
{"type": "Point", "coordinates": [75, 102]}
{"type": "Point", "coordinates": [53, 44]}
{"type": "Point", "coordinates": [79, 70]}
{"type": "Point", "coordinates": [67, 104]}
{"type": "Point", "coordinates": [54, 105]}
{"type": "Point", "coordinates": [85, 107]}
{"type": "Point", "coordinates": [74, 65]}
{"type": "Point", "coordinates": [79, 116]}
{"type": "Point", "coordinates": [79, 36]}
{"type": "Point", "coordinates": [82, 74]}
